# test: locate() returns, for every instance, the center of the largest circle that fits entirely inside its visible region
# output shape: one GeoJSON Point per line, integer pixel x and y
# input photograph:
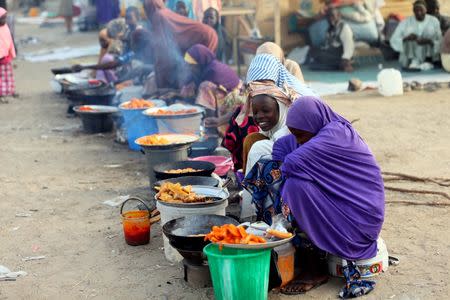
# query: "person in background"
{"type": "Point", "coordinates": [107, 10]}
{"type": "Point", "coordinates": [333, 189]}
{"type": "Point", "coordinates": [177, 6]}
{"type": "Point", "coordinates": [172, 36]}
{"type": "Point", "coordinates": [211, 18]}
{"type": "Point", "coordinates": [133, 22]}
{"type": "Point", "coordinates": [109, 75]}
{"type": "Point", "coordinates": [337, 51]}
{"type": "Point", "coordinates": [276, 51]}
{"type": "Point", "coordinates": [220, 91]}
{"type": "Point", "coordinates": [181, 9]}
{"type": "Point", "coordinates": [7, 54]}
{"type": "Point", "coordinates": [418, 39]}
{"type": "Point", "coordinates": [433, 8]}
{"type": "Point", "coordinates": [445, 51]}
{"type": "Point", "coordinates": [66, 11]}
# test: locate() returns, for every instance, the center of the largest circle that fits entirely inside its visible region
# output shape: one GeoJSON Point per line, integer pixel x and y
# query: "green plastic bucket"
{"type": "Point", "coordinates": [238, 274]}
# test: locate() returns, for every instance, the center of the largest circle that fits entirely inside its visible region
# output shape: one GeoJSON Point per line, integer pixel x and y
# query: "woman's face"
{"type": "Point", "coordinates": [420, 12]}
{"type": "Point", "coordinates": [302, 136]}
{"type": "Point", "coordinates": [265, 111]}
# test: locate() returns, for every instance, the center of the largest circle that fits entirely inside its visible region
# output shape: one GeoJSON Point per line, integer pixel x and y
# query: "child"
{"type": "Point", "coordinates": [7, 54]}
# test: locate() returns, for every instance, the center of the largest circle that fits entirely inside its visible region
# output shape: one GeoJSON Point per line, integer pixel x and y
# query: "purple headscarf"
{"type": "Point", "coordinates": [333, 184]}
{"type": "Point", "coordinates": [212, 69]}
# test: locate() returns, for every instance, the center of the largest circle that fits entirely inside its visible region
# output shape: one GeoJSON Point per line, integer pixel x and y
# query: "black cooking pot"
{"type": "Point", "coordinates": [205, 169]}
{"type": "Point", "coordinates": [191, 180]}
{"type": "Point", "coordinates": [92, 96]}
{"type": "Point", "coordinates": [186, 234]}
{"type": "Point", "coordinates": [57, 71]}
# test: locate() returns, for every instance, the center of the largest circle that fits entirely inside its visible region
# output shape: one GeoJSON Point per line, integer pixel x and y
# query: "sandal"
{"type": "Point", "coordinates": [393, 261]}
{"type": "Point", "coordinates": [416, 86]}
{"type": "Point", "coordinates": [300, 286]}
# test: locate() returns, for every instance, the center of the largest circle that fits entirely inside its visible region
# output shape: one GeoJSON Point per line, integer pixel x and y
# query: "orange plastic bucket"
{"type": "Point", "coordinates": [136, 225]}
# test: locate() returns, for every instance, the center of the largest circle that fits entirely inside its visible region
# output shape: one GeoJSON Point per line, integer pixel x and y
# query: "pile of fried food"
{"type": "Point", "coordinates": [230, 234]}
{"type": "Point", "coordinates": [165, 112]}
{"type": "Point", "coordinates": [181, 171]}
{"type": "Point", "coordinates": [138, 103]}
{"type": "Point", "coordinates": [153, 140]}
{"type": "Point", "coordinates": [85, 108]}
{"type": "Point", "coordinates": [176, 193]}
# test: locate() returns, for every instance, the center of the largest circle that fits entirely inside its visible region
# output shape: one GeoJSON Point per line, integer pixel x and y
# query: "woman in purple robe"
{"type": "Point", "coordinates": [333, 186]}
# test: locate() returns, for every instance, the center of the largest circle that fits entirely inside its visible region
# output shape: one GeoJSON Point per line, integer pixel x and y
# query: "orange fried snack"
{"type": "Point", "coordinates": [164, 112]}
{"type": "Point", "coordinates": [279, 234]}
{"type": "Point", "coordinates": [230, 234]}
{"type": "Point", "coordinates": [138, 103]}
{"type": "Point", "coordinates": [181, 171]}
{"type": "Point", "coordinates": [152, 140]}
{"type": "Point", "coordinates": [86, 108]}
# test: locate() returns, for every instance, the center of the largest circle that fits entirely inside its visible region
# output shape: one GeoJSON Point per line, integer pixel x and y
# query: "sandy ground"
{"type": "Point", "coordinates": [59, 175]}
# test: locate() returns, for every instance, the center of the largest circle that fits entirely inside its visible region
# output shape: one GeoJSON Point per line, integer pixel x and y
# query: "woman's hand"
{"type": "Point", "coordinates": [421, 41]}
{"type": "Point", "coordinates": [77, 68]}
{"type": "Point", "coordinates": [188, 91]}
{"type": "Point", "coordinates": [212, 122]}
{"type": "Point", "coordinates": [411, 37]}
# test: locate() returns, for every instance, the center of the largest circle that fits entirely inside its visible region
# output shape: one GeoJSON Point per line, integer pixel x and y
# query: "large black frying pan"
{"type": "Point", "coordinates": [95, 96]}
{"type": "Point", "coordinates": [205, 169]}
{"type": "Point", "coordinates": [186, 234]}
{"type": "Point", "coordinates": [191, 180]}
{"type": "Point", "coordinates": [57, 71]}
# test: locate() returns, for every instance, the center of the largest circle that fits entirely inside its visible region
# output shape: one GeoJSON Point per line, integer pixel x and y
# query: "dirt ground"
{"type": "Point", "coordinates": [51, 170]}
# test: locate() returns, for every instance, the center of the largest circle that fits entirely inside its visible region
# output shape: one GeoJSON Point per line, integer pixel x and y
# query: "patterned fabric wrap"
{"type": "Point", "coordinates": [264, 182]}
{"type": "Point", "coordinates": [7, 83]}
{"type": "Point", "coordinates": [354, 287]}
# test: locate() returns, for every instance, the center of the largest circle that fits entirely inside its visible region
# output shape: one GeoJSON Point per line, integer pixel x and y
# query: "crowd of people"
{"type": "Point", "coordinates": [299, 157]}
{"type": "Point", "coordinates": [333, 32]}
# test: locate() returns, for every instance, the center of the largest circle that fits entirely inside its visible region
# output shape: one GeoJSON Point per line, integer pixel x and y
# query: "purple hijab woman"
{"type": "Point", "coordinates": [333, 184]}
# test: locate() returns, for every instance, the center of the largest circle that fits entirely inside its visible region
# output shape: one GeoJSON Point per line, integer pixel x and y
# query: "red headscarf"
{"type": "Point", "coordinates": [172, 36]}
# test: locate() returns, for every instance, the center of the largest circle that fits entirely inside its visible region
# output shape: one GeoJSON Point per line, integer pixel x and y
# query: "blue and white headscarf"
{"type": "Point", "coordinates": [268, 67]}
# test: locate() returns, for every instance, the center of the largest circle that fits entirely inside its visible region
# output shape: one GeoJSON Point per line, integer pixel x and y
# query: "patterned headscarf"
{"type": "Point", "coordinates": [284, 97]}
{"type": "Point", "coordinates": [268, 67]}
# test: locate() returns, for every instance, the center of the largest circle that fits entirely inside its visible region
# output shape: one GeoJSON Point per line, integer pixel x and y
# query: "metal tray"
{"type": "Point", "coordinates": [203, 190]}
{"type": "Point", "coordinates": [268, 245]}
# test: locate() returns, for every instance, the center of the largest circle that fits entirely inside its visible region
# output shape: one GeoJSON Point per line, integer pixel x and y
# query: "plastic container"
{"type": "Point", "coordinates": [390, 82]}
{"type": "Point", "coordinates": [136, 225]}
{"type": "Point", "coordinates": [367, 267]}
{"type": "Point", "coordinates": [285, 262]}
{"type": "Point", "coordinates": [238, 274]}
{"type": "Point", "coordinates": [169, 213]}
{"type": "Point", "coordinates": [223, 164]}
{"type": "Point", "coordinates": [138, 125]}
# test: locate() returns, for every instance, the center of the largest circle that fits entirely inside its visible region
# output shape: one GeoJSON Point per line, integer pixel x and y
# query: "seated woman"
{"type": "Point", "coordinates": [172, 36]}
{"type": "Point", "coordinates": [183, 8]}
{"type": "Point", "coordinates": [334, 188]}
{"type": "Point", "coordinates": [269, 105]}
{"type": "Point", "coordinates": [267, 67]}
{"type": "Point", "coordinates": [109, 75]}
{"type": "Point", "coordinates": [275, 50]}
{"type": "Point", "coordinates": [337, 51]}
{"type": "Point", "coordinates": [219, 90]}
{"type": "Point", "coordinates": [418, 39]}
